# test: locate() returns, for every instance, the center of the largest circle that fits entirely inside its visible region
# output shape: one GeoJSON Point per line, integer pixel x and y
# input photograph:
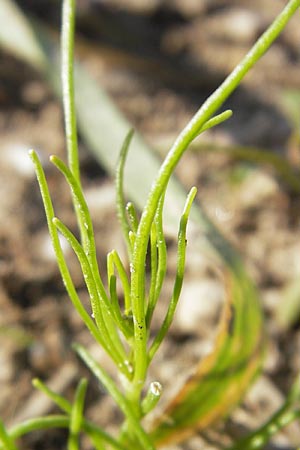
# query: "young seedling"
{"type": "Point", "coordinates": [123, 329]}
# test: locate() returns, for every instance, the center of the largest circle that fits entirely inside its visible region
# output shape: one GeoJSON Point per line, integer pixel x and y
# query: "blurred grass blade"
{"type": "Point", "coordinates": [17, 37]}
{"type": "Point", "coordinates": [258, 156]}
{"type": "Point", "coordinates": [287, 312]}
{"type": "Point", "coordinates": [285, 415]}
{"type": "Point", "coordinates": [5, 439]}
{"type": "Point", "coordinates": [100, 123]}
{"type": "Point", "coordinates": [290, 98]}
{"type": "Point", "coordinates": [262, 436]}
{"type": "Point", "coordinates": [221, 379]}
{"type": "Point", "coordinates": [62, 421]}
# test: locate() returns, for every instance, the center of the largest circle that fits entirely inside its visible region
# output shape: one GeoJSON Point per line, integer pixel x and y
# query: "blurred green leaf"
{"type": "Point", "coordinates": [18, 37]}
{"type": "Point", "coordinates": [290, 99]}
{"type": "Point", "coordinates": [259, 156]}
{"type": "Point", "coordinates": [288, 310]}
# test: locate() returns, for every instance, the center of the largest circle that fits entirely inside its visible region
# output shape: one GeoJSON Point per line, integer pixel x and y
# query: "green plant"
{"type": "Point", "coordinates": [124, 331]}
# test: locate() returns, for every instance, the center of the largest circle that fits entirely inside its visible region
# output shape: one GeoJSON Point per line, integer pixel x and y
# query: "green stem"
{"type": "Point", "coordinates": [120, 198]}
{"type": "Point", "coordinates": [122, 323]}
{"type": "Point", "coordinates": [63, 267]}
{"type": "Point", "coordinates": [179, 275]}
{"type": "Point", "coordinates": [205, 113]}
{"type": "Point", "coordinates": [216, 120]}
{"type": "Point", "coordinates": [132, 216]}
{"type": "Point", "coordinates": [89, 246]}
{"type": "Point", "coordinates": [160, 251]}
{"type": "Point", "coordinates": [111, 342]}
{"type": "Point", "coordinates": [67, 77]}
{"type": "Point", "coordinates": [62, 421]}
{"type": "Point", "coordinates": [124, 280]}
{"type": "Point", "coordinates": [95, 433]}
{"type": "Point", "coordinates": [77, 416]}
{"type": "Point", "coordinates": [5, 439]}
{"type": "Point", "coordinates": [119, 398]}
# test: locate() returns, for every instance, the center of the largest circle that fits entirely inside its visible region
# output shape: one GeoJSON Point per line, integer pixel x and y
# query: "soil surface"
{"type": "Point", "coordinates": [158, 60]}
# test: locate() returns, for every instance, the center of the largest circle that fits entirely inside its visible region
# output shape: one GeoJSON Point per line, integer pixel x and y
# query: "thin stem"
{"type": "Point", "coordinates": [216, 120]}
{"type": "Point", "coordinates": [160, 271]}
{"type": "Point", "coordinates": [5, 439]}
{"type": "Point", "coordinates": [132, 216]}
{"type": "Point", "coordinates": [68, 95]}
{"type": "Point", "coordinates": [110, 339]}
{"type": "Point", "coordinates": [67, 77]}
{"type": "Point", "coordinates": [88, 240]}
{"type": "Point", "coordinates": [77, 416]}
{"type": "Point", "coordinates": [62, 421]}
{"type": "Point", "coordinates": [92, 430]}
{"type": "Point", "coordinates": [124, 280]}
{"type": "Point", "coordinates": [89, 246]}
{"type": "Point", "coordinates": [179, 274]}
{"type": "Point", "coordinates": [58, 399]}
{"type": "Point", "coordinates": [119, 180]}
{"type": "Point", "coordinates": [119, 398]}
{"type": "Point", "coordinates": [153, 271]}
{"type": "Point", "coordinates": [63, 267]}
{"type": "Point", "coordinates": [40, 423]}
{"type": "Point", "coordinates": [122, 323]}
